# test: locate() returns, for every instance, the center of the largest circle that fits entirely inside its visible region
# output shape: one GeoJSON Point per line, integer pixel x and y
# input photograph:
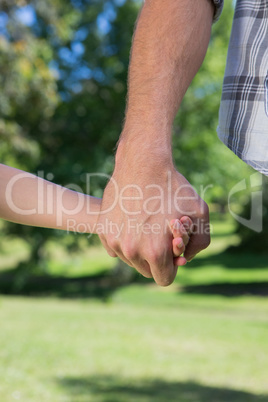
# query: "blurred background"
{"type": "Point", "coordinates": [77, 325]}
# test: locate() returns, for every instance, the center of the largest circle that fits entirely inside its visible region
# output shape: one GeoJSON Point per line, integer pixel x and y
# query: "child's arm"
{"type": "Point", "coordinates": [31, 200]}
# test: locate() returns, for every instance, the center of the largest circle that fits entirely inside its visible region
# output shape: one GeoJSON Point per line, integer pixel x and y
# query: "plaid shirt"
{"type": "Point", "coordinates": [243, 116]}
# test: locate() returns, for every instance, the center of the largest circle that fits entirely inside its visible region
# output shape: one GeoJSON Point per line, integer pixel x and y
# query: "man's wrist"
{"type": "Point", "coordinates": [143, 149]}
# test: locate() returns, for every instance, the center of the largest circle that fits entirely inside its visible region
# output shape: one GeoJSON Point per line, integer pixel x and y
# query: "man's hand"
{"type": "Point", "coordinates": [138, 204]}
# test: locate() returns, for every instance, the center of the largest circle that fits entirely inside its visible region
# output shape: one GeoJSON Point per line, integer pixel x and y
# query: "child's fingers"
{"type": "Point", "coordinates": [178, 246]}
{"type": "Point", "coordinates": [181, 230]}
{"type": "Point", "coordinates": [178, 230]}
{"type": "Point", "coordinates": [180, 261]}
{"type": "Point", "coordinates": [172, 222]}
{"type": "Point", "coordinates": [187, 224]}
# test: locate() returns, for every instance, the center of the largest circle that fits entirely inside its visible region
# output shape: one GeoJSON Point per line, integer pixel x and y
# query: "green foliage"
{"type": "Point", "coordinates": [63, 77]}
{"type": "Point", "coordinates": [28, 98]}
{"type": "Point", "coordinates": [63, 95]}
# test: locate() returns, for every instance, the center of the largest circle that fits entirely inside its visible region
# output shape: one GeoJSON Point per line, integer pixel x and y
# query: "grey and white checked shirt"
{"type": "Point", "coordinates": [243, 116]}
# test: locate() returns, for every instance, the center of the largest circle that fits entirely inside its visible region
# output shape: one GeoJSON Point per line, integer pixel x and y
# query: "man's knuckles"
{"type": "Point", "coordinates": [113, 243]}
{"type": "Point", "coordinates": [130, 250]}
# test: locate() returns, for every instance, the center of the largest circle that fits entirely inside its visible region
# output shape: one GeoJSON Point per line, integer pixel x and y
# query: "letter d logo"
{"type": "Point", "coordinates": [255, 222]}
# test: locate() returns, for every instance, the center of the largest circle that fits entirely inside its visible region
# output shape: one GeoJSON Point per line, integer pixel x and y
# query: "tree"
{"type": "Point", "coordinates": [64, 71]}
{"type": "Point", "coordinates": [63, 76]}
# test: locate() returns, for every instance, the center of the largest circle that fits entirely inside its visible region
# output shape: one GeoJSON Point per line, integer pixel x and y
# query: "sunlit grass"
{"type": "Point", "coordinates": [145, 342]}
{"type": "Point", "coordinates": [73, 350]}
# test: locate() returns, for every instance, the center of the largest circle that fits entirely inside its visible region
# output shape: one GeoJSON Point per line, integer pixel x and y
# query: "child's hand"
{"type": "Point", "coordinates": [181, 230]}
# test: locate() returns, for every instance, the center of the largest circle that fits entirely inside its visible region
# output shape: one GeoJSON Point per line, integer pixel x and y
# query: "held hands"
{"type": "Point", "coordinates": [139, 202]}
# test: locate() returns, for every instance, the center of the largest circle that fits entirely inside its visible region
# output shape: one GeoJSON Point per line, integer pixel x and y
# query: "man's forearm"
{"type": "Point", "coordinates": [169, 45]}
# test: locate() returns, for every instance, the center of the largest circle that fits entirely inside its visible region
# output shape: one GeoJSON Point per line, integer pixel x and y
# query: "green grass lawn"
{"type": "Point", "coordinates": [146, 343]}
{"type": "Point", "coordinates": [183, 343]}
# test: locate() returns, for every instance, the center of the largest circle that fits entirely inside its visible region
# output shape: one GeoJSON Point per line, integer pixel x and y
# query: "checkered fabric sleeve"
{"type": "Point", "coordinates": [243, 116]}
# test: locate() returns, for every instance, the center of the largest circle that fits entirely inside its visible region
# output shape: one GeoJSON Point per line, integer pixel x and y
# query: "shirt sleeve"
{"type": "Point", "coordinates": [218, 9]}
{"type": "Point", "coordinates": [243, 115]}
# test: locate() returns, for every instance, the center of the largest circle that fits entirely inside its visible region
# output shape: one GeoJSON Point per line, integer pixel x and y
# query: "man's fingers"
{"type": "Point", "coordinates": [126, 255]}
{"type": "Point", "coordinates": [161, 277]}
{"type": "Point", "coordinates": [111, 252]}
{"type": "Point", "coordinates": [191, 258]}
{"type": "Point", "coordinates": [123, 258]}
{"type": "Point", "coordinates": [196, 244]}
{"type": "Point", "coordinates": [142, 267]}
{"type": "Point", "coordinates": [163, 269]}
{"type": "Point", "coordinates": [107, 248]}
